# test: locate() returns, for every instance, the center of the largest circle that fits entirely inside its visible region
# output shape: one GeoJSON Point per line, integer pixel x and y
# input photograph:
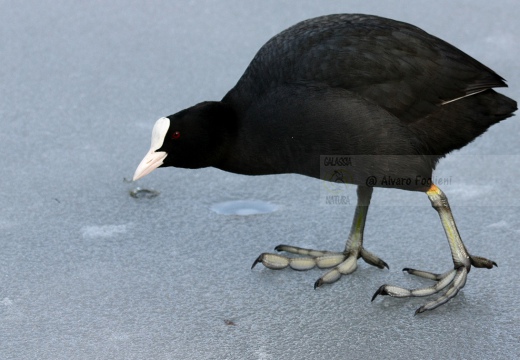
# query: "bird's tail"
{"type": "Point", "coordinates": [458, 123]}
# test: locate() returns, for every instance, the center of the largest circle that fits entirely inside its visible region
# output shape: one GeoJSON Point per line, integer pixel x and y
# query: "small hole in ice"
{"type": "Point", "coordinates": [139, 193]}
{"type": "Point", "coordinates": [244, 207]}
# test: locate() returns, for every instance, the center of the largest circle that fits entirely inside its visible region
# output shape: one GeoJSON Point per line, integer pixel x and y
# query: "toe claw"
{"type": "Point", "coordinates": [373, 259]}
{"type": "Point", "coordinates": [419, 310]}
{"type": "Point", "coordinates": [279, 248]}
{"type": "Point", "coordinates": [480, 262]}
{"type": "Point", "coordinates": [380, 291]}
{"type": "Point", "coordinates": [318, 283]}
{"type": "Point", "coordinates": [258, 260]}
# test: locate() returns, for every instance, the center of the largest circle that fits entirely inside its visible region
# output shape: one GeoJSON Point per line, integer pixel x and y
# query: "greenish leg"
{"type": "Point", "coordinates": [452, 280]}
{"type": "Point", "coordinates": [342, 263]}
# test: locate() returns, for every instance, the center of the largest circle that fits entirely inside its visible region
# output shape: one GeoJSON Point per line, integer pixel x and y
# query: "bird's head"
{"type": "Point", "coordinates": [192, 138]}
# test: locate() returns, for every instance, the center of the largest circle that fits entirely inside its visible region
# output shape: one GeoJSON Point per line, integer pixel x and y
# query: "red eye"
{"type": "Point", "coordinates": [176, 135]}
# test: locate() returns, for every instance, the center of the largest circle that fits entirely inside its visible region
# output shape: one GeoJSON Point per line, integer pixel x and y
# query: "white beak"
{"type": "Point", "coordinates": [153, 159]}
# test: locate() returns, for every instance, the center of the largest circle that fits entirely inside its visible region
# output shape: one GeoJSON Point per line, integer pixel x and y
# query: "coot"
{"type": "Point", "coordinates": [385, 94]}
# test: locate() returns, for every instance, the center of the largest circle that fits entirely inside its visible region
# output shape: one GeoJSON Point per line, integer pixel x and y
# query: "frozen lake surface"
{"type": "Point", "coordinates": [90, 271]}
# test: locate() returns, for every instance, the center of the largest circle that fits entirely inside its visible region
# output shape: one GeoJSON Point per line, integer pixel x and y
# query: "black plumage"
{"type": "Point", "coordinates": [393, 96]}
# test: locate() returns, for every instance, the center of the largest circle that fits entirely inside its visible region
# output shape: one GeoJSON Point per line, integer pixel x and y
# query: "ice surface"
{"type": "Point", "coordinates": [244, 207]}
{"type": "Point", "coordinates": [89, 272]}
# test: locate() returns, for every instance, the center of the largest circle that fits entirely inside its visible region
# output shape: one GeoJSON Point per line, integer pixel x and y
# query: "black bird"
{"type": "Point", "coordinates": [386, 95]}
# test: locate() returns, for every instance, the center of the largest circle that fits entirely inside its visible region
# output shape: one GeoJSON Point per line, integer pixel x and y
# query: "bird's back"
{"type": "Point", "coordinates": [437, 90]}
{"type": "Point", "coordinates": [393, 64]}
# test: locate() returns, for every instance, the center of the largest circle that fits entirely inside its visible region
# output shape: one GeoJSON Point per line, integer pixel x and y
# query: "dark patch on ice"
{"type": "Point", "coordinates": [139, 193]}
{"type": "Point", "coordinates": [244, 207]}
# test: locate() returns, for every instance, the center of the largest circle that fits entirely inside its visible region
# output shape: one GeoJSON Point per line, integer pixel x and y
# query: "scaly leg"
{"type": "Point", "coordinates": [342, 263]}
{"type": "Point", "coordinates": [452, 280]}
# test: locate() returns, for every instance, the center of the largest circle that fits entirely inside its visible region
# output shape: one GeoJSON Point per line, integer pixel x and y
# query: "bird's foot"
{"type": "Point", "coordinates": [342, 263]}
{"type": "Point", "coordinates": [453, 280]}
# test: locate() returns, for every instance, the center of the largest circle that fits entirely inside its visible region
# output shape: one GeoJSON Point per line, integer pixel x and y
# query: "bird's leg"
{"type": "Point", "coordinates": [452, 280]}
{"type": "Point", "coordinates": [342, 263]}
